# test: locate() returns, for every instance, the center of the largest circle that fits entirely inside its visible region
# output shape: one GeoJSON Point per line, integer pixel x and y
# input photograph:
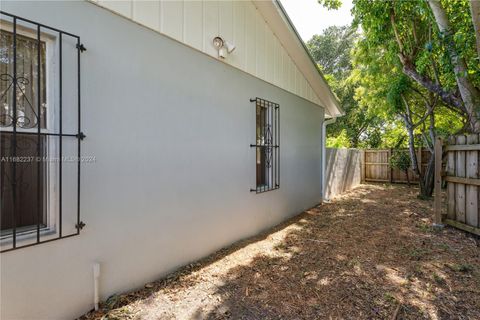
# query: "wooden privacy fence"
{"type": "Point", "coordinates": [377, 167]}
{"type": "Point", "coordinates": [343, 171]}
{"type": "Point", "coordinates": [462, 175]}
{"type": "Point", "coordinates": [463, 183]}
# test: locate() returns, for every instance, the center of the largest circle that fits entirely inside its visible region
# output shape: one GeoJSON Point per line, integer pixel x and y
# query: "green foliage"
{"type": "Point", "coordinates": [332, 51]}
{"type": "Point", "coordinates": [398, 87]}
{"type": "Point", "coordinates": [366, 74]}
{"type": "Point", "coordinates": [419, 35]}
{"type": "Point", "coordinates": [400, 159]}
{"type": "Point", "coordinates": [463, 36]}
{"type": "Point", "coordinates": [331, 4]}
{"type": "Point", "coordinates": [340, 140]}
{"type": "Point", "coordinates": [378, 72]}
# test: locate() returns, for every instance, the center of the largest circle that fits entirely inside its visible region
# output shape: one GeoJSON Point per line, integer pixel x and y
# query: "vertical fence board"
{"type": "Point", "coordinates": [420, 160]}
{"type": "Point", "coordinates": [390, 171]}
{"type": "Point", "coordinates": [438, 181]}
{"type": "Point", "coordinates": [460, 188]}
{"type": "Point", "coordinates": [451, 186]}
{"type": "Point", "coordinates": [362, 166]}
{"type": "Point", "coordinates": [478, 188]}
{"type": "Point", "coordinates": [471, 210]}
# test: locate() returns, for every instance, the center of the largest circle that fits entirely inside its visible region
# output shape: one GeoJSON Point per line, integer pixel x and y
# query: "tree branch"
{"type": "Point", "coordinates": [434, 65]}
{"type": "Point", "coordinates": [447, 97]}
{"type": "Point", "coordinates": [395, 31]}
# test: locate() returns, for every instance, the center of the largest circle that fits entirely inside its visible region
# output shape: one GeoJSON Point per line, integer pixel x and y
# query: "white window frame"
{"type": "Point", "coordinates": [51, 193]}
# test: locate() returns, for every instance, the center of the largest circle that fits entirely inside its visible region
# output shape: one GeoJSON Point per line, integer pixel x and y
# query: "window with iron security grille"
{"type": "Point", "coordinates": [40, 133]}
{"type": "Point", "coordinates": [267, 145]}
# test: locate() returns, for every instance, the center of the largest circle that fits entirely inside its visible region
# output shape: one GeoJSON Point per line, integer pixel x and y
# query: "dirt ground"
{"type": "Point", "coordinates": [369, 254]}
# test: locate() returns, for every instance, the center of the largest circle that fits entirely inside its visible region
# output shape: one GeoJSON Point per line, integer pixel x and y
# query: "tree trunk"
{"type": "Point", "coordinates": [411, 148]}
{"type": "Point", "coordinates": [427, 180]}
{"type": "Point", "coordinates": [475, 10]}
{"type": "Point", "coordinates": [470, 95]}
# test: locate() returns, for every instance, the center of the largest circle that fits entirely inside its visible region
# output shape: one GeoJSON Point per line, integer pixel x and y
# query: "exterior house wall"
{"type": "Point", "coordinates": [195, 23]}
{"type": "Point", "coordinates": [170, 128]}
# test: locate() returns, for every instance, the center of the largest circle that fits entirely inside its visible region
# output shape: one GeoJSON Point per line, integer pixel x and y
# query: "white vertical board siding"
{"type": "Point", "coordinates": [225, 16]}
{"type": "Point", "coordinates": [147, 13]}
{"type": "Point", "coordinates": [196, 22]}
{"type": "Point", "coordinates": [291, 77]}
{"type": "Point", "coordinates": [269, 54]}
{"type": "Point", "coordinates": [276, 61]}
{"type": "Point", "coordinates": [238, 59]}
{"type": "Point", "coordinates": [122, 7]}
{"type": "Point", "coordinates": [284, 72]}
{"type": "Point", "coordinates": [173, 19]}
{"type": "Point", "coordinates": [250, 39]}
{"type": "Point", "coordinates": [193, 28]}
{"type": "Point", "coordinates": [260, 45]}
{"type": "Point", "coordinates": [211, 22]}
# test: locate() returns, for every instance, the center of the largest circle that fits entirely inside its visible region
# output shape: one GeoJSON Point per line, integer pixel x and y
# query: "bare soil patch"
{"type": "Point", "coordinates": [370, 254]}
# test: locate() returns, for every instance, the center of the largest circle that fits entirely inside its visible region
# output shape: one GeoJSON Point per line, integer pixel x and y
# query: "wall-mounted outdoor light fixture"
{"type": "Point", "coordinates": [223, 47]}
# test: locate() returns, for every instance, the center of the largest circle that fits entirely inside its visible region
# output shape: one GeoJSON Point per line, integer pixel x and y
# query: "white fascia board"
{"type": "Point", "coordinates": [284, 29]}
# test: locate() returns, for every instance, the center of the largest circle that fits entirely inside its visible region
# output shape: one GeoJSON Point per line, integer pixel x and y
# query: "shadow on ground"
{"type": "Point", "coordinates": [370, 254]}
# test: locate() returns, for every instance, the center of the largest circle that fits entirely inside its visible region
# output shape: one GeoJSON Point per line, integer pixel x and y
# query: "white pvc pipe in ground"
{"type": "Point", "coordinates": [96, 277]}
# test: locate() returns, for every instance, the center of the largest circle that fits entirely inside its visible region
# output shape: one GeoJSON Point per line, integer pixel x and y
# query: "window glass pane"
{"type": "Point", "coordinates": [29, 182]}
{"type": "Point", "coordinates": [27, 94]}
{"type": "Point", "coordinates": [260, 129]}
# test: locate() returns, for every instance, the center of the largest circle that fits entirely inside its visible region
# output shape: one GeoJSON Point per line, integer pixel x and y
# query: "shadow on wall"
{"type": "Point", "coordinates": [343, 171]}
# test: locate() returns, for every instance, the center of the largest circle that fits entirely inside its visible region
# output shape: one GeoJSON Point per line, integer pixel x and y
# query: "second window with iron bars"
{"type": "Point", "coordinates": [267, 145]}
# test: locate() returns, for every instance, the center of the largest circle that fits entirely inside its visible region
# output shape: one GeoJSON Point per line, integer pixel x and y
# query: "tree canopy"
{"type": "Point", "coordinates": [403, 54]}
{"type": "Point", "coordinates": [332, 50]}
{"type": "Point", "coordinates": [405, 71]}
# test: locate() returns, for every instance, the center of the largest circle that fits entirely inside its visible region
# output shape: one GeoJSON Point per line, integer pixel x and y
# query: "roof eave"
{"type": "Point", "coordinates": [308, 65]}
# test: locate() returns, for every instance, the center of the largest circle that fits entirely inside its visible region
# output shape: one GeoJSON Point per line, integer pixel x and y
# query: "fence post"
{"type": "Point", "coordinates": [362, 166]}
{"type": "Point", "coordinates": [437, 221]}
{"type": "Point", "coordinates": [390, 169]}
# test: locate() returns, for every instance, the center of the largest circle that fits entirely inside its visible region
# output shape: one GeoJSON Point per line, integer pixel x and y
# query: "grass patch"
{"type": "Point", "coordinates": [417, 253]}
{"type": "Point", "coordinates": [460, 267]}
{"type": "Point", "coordinates": [438, 279]}
{"type": "Point", "coordinates": [390, 298]}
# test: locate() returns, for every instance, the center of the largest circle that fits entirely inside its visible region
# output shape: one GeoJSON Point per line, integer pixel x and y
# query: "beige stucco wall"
{"type": "Point", "coordinates": [171, 129]}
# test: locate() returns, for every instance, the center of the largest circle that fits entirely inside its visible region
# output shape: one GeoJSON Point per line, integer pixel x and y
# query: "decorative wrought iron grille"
{"type": "Point", "coordinates": [39, 85]}
{"type": "Point", "coordinates": [267, 145]}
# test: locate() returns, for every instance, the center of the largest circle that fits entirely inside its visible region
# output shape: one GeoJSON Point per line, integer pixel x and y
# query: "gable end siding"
{"type": "Point", "coordinates": [258, 51]}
